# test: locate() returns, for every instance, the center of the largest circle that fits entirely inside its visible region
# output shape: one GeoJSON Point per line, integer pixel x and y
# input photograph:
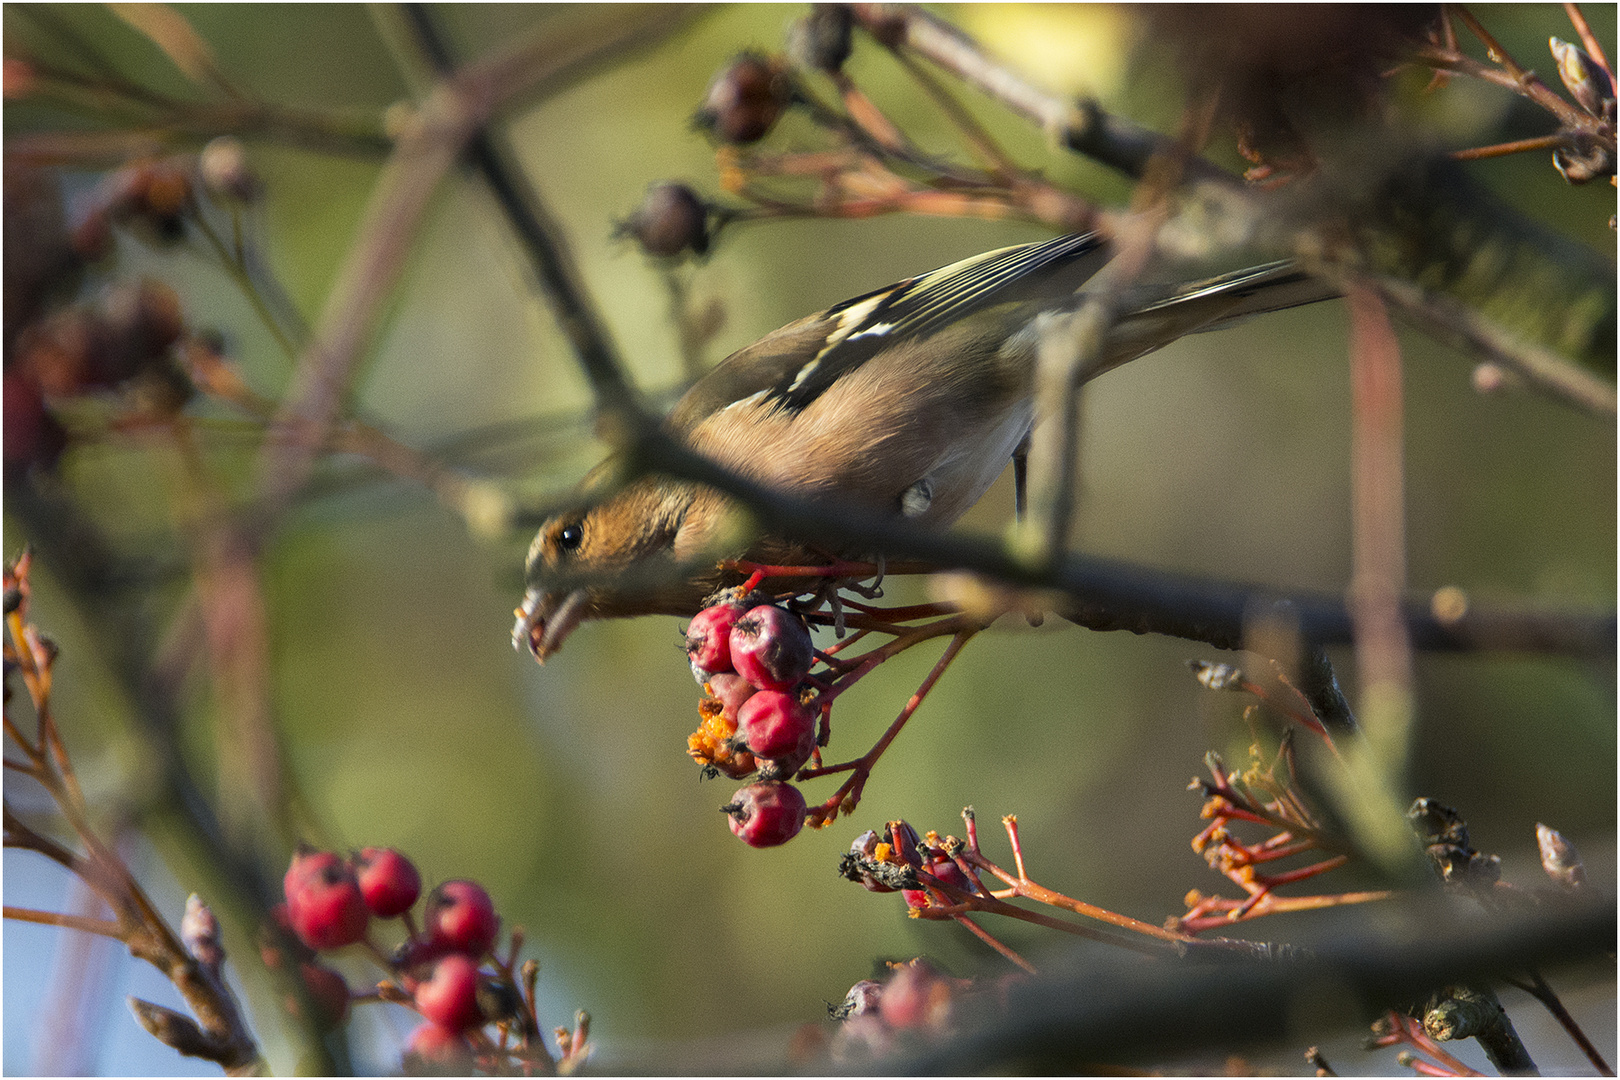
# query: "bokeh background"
{"type": "Point", "coordinates": [407, 720]}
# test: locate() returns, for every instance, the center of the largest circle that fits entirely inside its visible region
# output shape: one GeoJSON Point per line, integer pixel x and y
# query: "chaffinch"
{"type": "Point", "coordinates": [908, 400]}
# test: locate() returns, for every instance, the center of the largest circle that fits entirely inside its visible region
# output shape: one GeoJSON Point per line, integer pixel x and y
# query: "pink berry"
{"type": "Point", "coordinates": [450, 996]}
{"type": "Point", "coordinates": [732, 690]}
{"type": "Point", "coordinates": [324, 906]}
{"type": "Point", "coordinates": [438, 1049]}
{"type": "Point", "coordinates": [388, 881]}
{"type": "Point", "coordinates": [460, 916]}
{"type": "Point", "coordinates": [778, 728]}
{"type": "Point", "coordinates": [328, 993]}
{"type": "Point", "coordinates": [708, 640]}
{"type": "Point", "coordinates": [915, 996]}
{"type": "Point", "coordinates": [770, 647]}
{"type": "Point", "coordinates": [766, 814]}
{"type": "Point", "coordinates": [945, 870]}
{"type": "Point", "coordinates": [862, 998]}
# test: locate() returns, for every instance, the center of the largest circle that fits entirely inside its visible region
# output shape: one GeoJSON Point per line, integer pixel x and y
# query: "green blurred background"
{"type": "Point", "coordinates": [408, 721]}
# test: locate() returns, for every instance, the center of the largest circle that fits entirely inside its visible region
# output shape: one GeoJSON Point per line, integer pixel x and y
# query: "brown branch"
{"type": "Point", "coordinates": [443, 126]}
{"type": "Point", "coordinates": [1524, 81]}
{"type": "Point", "coordinates": [1537, 988]}
{"type": "Point", "coordinates": [1524, 84]}
{"type": "Point", "coordinates": [1460, 326]}
{"type": "Point", "coordinates": [1589, 40]}
{"type": "Point", "coordinates": [1084, 128]}
{"type": "Point", "coordinates": [1520, 146]}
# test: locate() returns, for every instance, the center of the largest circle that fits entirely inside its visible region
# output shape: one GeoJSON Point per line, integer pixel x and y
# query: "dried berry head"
{"type": "Point", "coordinates": [745, 100]}
{"type": "Point", "coordinates": [822, 39]}
{"type": "Point", "coordinates": [670, 221]}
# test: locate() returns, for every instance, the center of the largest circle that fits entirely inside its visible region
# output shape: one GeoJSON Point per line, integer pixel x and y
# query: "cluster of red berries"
{"type": "Point", "coordinates": [330, 902]}
{"type": "Point", "coordinates": [891, 861]}
{"type": "Point", "coordinates": [753, 659]}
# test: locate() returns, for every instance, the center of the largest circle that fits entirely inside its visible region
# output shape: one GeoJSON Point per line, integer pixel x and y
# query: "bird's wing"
{"type": "Point", "coordinates": [922, 305]}
{"type": "Point", "coordinates": [795, 365]}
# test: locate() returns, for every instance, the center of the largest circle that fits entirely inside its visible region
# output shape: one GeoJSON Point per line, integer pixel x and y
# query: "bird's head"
{"type": "Point", "coordinates": [646, 550]}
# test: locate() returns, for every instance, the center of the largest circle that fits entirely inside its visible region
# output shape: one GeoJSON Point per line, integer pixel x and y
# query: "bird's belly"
{"type": "Point", "coordinates": [970, 465]}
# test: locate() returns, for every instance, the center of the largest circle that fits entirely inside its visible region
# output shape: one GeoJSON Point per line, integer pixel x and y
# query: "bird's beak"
{"type": "Point", "coordinates": [546, 619]}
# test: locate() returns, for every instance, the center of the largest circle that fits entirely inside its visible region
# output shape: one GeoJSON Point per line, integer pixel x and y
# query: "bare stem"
{"type": "Point", "coordinates": [1589, 40]}
{"type": "Point", "coordinates": [104, 927]}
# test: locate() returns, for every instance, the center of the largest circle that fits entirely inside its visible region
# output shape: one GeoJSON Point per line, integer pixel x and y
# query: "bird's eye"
{"type": "Point", "coordinates": [571, 536]}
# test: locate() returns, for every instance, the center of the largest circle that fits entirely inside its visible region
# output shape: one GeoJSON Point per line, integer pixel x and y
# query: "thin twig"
{"type": "Point", "coordinates": [1537, 988]}
{"type": "Point", "coordinates": [1452, 322]}
{"type": "Point", "coordinates": [1589, 40]}
{"type": "Point", "coordinates": [1520, 146]}
{"type": "Point", "coordinates": [447, 122]}
{"type": "Point", "coordinates": [1084, 128]}
{"type": "Point", "coordinates": [104, 927]}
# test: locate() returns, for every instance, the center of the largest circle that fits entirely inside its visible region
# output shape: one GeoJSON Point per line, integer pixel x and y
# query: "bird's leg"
{"type": "Point", "coordinates": [1021, 478]}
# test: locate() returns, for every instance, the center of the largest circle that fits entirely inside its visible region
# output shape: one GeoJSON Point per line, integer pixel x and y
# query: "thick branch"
{"type": "Point", "coordinates": [1108, 1012]}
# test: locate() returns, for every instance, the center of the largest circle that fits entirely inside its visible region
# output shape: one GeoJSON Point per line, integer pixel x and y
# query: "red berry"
{"type": "Point", "coordinates": [324, 905]}
{"type": "Point", "coordinates": [32, 435]}
{"type": "Point", "coordinates": [778, 728]}
{"type": "Point", "coordinates": [436, 1049]}
{"type": "Point", "coordinates": [766, 814]}
{"type": "Point", "coordinates": [460, 916]}
{"type": "Point", "coordinates": [388, 881]}
{"type": "Point", "coordinates": [708, 640]}
{"type": "Point", "coordinates": [328, 993]}
{"type": "Point", "coordinates": [770, 647]}
{"type": "Point", "coordinates": [947, 871]}
{"type": "Point", "coordinates": [450, 996]}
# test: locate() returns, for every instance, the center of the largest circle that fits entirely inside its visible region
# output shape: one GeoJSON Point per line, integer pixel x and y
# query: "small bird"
{"type": "Point", "coordinates": [908, 400]}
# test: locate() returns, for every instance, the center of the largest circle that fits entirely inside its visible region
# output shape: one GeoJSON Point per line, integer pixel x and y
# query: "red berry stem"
{"type": "Point", "coordinates": [848, 795]}
{"type": "Point", "coordinates": [903, 614]}
{"type": "Point", "coordinates": [990, 939]}
{"type": "Point", "coordinates": [862, 665]}
{"type": "Point", "coordinates": [758, 572]}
